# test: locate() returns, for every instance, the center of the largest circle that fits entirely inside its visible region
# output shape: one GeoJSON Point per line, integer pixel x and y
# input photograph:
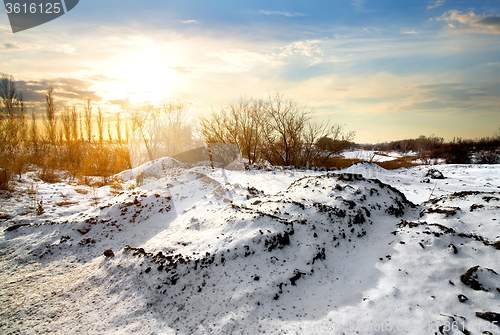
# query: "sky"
{"type": "Point", "coordinates": [386, 69]}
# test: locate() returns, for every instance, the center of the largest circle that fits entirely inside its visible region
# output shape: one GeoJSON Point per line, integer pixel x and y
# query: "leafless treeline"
{"type": "Point", "coordinates": [62, 140]}
{"type": "Point", "coordinates": [276, 131]}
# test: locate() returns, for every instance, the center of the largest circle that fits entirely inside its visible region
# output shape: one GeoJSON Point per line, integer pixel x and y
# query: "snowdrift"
{"type": "Point", "coordinates": [288, 257]}
{"type": "Point", "coordinates": [195, 254]}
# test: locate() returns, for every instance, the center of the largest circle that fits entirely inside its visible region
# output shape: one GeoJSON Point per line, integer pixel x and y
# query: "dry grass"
{"type": "Point", "coordinates": [116, 187]}
{"type": "Point", "coordinates": [116, 183]}
{"type": "Point", "coordinates": [92, 181]}
{"type": "Point", "coordinates": [4, 179]}
{"type": "Point", "coordinates": [81, 191]}
{"type": "Point", "coordinates": [382, 154]}
{"type": "Point", "coordinates": [66, 203]}
{"type": "Point", "coordinates": [338, 163]}
{"type": "Point", "coordinates": [49, 176]}
{"type": "Point", "coordinates": [398, 163]}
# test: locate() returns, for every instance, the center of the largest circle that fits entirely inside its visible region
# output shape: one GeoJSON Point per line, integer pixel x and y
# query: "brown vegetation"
{"type": "Point", "coordinates": [485, 150]}
{"type": "Point", "coordinates": [339, 163]}
{"type": "Point", "coordinates": [59, 146]}
{"type": "Point", "coordinates": [400, 162]}
{"type": "Point", "coordinates": [276, 131]}
{"type": "Point", "coordinates": [272, 131]}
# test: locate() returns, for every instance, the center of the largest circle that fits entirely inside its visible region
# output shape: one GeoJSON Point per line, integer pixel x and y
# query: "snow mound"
{"type": "Point", "coordinates": [195, 252]}
{"type": "Point", "coordinates": [131, 217]}
{"type": "Point", "coordinates": [367, 169]}
{"type": "Point", "coordinates": [256, 261]}
{"type": "Point", "coordinates": [153, 169]}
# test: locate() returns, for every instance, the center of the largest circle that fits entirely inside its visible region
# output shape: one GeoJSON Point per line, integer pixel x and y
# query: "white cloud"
{"type": "Point", "coordinates": [243, 60]}
{"type": "Point", "coordinates": [471, 23]}
{"type": "Point", "coordinates": [284, 13]}
{"type": "Point", "coordinates": [308, 48]}
{"type": "Point", "coordinates": [435, 4]}
{"type": "Point", "coordinates": [240, 60]}
{"type": "Point", "coordinates": [189, 21]}
{"type": "Point", "coordinates": [64, 48]}
{"type": "Point", "coordinates": [5, 29]}
{"type": "Point", "coordinates": [408, 31]}
{"type": "Point", "coordinates": [18, 46]}
{"type": "Point", "coordinates": [358, 4]}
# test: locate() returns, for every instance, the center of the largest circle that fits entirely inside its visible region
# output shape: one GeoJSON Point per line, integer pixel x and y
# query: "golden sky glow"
{"type": "Point", "coordinates": [386, 70]}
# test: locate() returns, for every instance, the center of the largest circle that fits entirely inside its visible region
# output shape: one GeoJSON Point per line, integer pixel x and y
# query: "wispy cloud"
{"type": "Point", "coordinates": [283, 13]}
{"type": "Point", "coordinates": [189, 21]}
{"type": "Point", "coordinates": [182, 69]}
{"type": "Point", "coordinates": [64, 48]}
{"type": "Point", "coordinates": [435, 4]}
{"type": "Point", "coordinates": [242, 60]}
{"type": "Point", "coordinates": [68, 90]}
{"type": "Point", "coordinates": [358, 4]}
{"type": "Point", "coordinates": [18, 46]}
{"type": "Point", "coordinates": [5, 29]}
{"type": "Point", "coordinates": [307, 48]}
{"type": "Point", "coordinates": [408, 31]}
{"type": "Point", "coordinates": [471, 23]}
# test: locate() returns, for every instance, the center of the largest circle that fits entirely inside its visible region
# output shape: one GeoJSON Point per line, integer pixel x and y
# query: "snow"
{"type": "Point", "coordinates": [198, 251]}
{"type": "Point", "coordinates": [372, 156]}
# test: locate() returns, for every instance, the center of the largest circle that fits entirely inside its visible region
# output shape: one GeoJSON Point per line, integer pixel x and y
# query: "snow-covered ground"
{"type": "Point", "coordinates": [373, 156]}
{"type": "Point", "coordinates": [275, 251]}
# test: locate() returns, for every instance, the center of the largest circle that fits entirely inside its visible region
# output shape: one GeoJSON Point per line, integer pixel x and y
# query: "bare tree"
{"type": "Point", "coordinates": [81, 126]}
{"type": "Point", "coordinates": [34, 131]}
{"type": "Point", "coordinates": [74, 124]}
{"type": "Point", "coordinates": [276, 130]}
{"type": "Point", "coordinates": [88, 120]}
{"type": "Point", "coordinates": [283, 129]}
{"type": "Point", "coordinates": [50, 117]}
{"type": "Point", "coordinates": [118, 128]}
{"type": "Point", "coordinates": [100, 125]}
{"type": "Point", "coordinates": [332, 141]}
{"type": "Point", "coordinates": [168, 130]}
{"type": "Point", "coordinates": [11, 115]}
{"type": "Point", "coordinates": [239, 124]}
{"type": "Point", "coordinates": [127, 131]}
{"type": "Point", "coordinates": [138, 120]}
{"type": "Point", "coordinates": [110, 139]}
{"type": "Point", "coordinates": [66, 122]}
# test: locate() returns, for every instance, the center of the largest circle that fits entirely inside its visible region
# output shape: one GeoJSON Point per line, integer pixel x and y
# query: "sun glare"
{"type": "Point", "coordinates": [141, 78]}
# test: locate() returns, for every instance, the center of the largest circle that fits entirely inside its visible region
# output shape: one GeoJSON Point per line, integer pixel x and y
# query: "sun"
{"type": "Point", "coordinates": [141, 78]}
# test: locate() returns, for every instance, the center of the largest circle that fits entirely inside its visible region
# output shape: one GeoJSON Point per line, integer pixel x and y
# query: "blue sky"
{"type": "Point", "coordinates": [386, 69]}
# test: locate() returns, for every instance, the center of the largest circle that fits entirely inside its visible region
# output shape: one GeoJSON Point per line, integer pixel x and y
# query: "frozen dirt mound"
{"type": "Point", "coordinates": [367, 169]}
{"type": "Point", "coordinates": [193, 252]}
{"type": "Point", "coordinates": [157, 168]}
{"type": "Point", "coordinates": [477, 212]}
{"type": "Point", "coordinates": [284, 257]}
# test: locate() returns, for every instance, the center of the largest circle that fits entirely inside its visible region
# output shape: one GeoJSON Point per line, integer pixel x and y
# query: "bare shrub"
{"type": "Point", "coordinates": [49, 175]}
{"type": "Point", "coordinates": [81, 191]}
{"type": "Point", "coordinates": [5, 175]}
{"type": "Point", "coordinates": [276, 130]}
